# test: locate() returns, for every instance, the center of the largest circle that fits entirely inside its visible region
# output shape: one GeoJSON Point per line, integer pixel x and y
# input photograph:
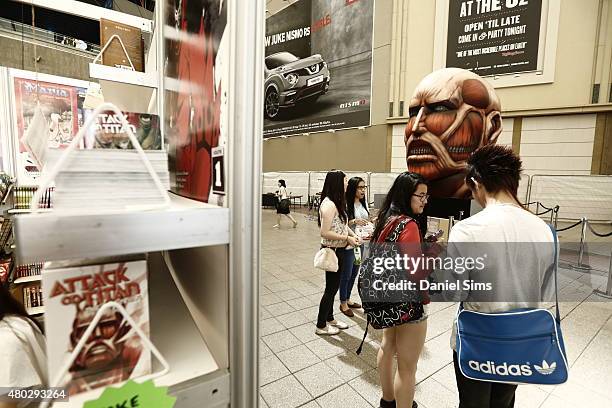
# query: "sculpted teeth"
{"type": "Point", "coordinates": [459, 149]}
{"type": "Point", "coordinates": [452, 149]}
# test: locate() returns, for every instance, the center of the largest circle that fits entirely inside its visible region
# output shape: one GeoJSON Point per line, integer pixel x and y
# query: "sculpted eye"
{"type": "Point", "coordinates": [440, 108]}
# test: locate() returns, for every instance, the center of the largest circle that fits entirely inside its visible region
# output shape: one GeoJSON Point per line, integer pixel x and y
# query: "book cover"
{"type": "Point", "coordinates": [114, 54]}
{"type": "Point", "coordinates": [58, 104]}
{"type": "Point", "coordinates": [109, 132]}
{"type": "Point", "coordinates": [114, 352]}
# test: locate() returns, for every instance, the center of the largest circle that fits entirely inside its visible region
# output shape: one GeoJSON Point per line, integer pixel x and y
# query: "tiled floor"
{"type": "Point", "coordinates": [301, 369]}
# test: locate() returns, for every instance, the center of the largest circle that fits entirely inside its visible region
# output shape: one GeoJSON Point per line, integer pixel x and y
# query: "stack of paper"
{"type": "Point", "coordinates": [108, 179]}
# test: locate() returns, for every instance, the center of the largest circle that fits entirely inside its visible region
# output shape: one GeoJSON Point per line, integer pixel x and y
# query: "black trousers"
{"type": "Point", "coordinates": [482, 394]}
{"type": "Point", "coordinates": [332, 284]}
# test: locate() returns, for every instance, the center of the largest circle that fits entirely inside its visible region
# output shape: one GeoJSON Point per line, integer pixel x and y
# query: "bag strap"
{"type": "Point", "coordinates": [399, 228]}
{"type": "Point", "coordinates": [555, 240]}
{"type": "Point", "coordinates": [360, 348]}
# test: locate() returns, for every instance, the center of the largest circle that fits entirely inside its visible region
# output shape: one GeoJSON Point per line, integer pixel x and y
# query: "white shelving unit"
{"type": "Point", "coordinates": [203, 259]}
{"type": "Point", "coordinates": [26, 279]}
{"type": "Point", "coordinates": [123, 76]}
{"type": "Point", "coordinates": [55, 235]}
{"type": "Point", "coordinates": [36, 310]}
{"type": "Point", "coordinates": [25, 210]}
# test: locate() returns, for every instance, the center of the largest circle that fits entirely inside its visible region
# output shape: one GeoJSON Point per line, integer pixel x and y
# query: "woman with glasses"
{"type": "Point", "coordinates": [406, 200]}
{"type": "Point", "coordinates": [357, 211]}
{"type": "Point", "coordinates": [335, 234]}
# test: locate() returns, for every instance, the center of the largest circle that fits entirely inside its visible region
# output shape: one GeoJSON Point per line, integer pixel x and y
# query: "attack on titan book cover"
{"type": "Point", "coordinates": [113, 352]}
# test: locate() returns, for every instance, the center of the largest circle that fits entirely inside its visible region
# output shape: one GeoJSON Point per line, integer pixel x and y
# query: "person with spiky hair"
{"type": "Point", "coordinates": [518, 270]}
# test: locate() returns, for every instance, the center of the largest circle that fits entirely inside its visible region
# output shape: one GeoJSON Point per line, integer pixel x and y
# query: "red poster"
{"type": "Point", "coordinates": [194, 101]}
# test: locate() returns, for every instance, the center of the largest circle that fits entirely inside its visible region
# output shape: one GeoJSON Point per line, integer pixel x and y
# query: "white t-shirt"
{"type": "Point", "coordinates": [282, 193]}
{"type": "Point", "coordinates": [505, 225]}
{"type": "Point", "coordinates": [22, 353]}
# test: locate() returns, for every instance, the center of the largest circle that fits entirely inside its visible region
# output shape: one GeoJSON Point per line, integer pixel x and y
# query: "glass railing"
{"type": "Point", "coordinates": [46, 36]}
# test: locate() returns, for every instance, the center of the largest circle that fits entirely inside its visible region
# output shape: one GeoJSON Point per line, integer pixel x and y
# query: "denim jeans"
{"type": "Point", "coordinates": [348, 274]}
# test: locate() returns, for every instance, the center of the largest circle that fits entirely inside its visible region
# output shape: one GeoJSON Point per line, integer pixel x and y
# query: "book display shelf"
{"type": "Point", "coordinates": [202, 258]}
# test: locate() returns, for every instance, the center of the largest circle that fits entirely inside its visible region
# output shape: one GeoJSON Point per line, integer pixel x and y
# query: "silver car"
{"type": "Point", "coordinates": [291, 80]}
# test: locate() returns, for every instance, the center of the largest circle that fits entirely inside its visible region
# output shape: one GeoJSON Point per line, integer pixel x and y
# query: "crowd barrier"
{"type": "Point", "coordinates": [308, 184]}
{"type": "Point", "coordinates": [581, 198]}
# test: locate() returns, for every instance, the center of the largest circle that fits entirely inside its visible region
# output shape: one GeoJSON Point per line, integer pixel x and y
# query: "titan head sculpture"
{"type": "Point", "coordinates": [452, 113]}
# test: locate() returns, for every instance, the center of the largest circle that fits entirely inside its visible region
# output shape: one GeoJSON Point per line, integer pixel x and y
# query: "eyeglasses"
{"type": "Point", "coordinates": [422, 197]}
{"type": "Point", "coordinates": [362, 187]}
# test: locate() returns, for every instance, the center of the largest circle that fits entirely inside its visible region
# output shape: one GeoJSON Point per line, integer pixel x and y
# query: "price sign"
{"type": "Point", "coordinates": [218, 172]}
{"type": "Point", "coordinates": [133, 395]}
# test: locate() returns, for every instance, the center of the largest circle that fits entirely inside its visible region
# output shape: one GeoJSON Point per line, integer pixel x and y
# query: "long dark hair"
{"type": "Point", "coordinates": [10, 305]}
{"type": "Point", "coordinates": [397, 201]}
{"type": "Point", "coordinates": [282, 183]}
{"type": "Point", "coordinates": [351, 192]}
{"type": "Point", "coordinates": [497, 168]}
{"type": "Point", "coordinates": [333, 188]}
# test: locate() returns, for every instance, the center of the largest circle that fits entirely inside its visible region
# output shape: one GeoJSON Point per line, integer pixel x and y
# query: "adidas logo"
{"type": "Point", "coordinates": [489, 367]}
{"type": "Point", "coordinates": [546, 369]}
{"type": "Point", "coordinates": [517, 370]}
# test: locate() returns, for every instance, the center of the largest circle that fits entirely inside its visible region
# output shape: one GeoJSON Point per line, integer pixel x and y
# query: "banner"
{"type": "Point", "coordinates": [493, 37]}
{"type": "Point", "coordinates": [59, 106]}
{"type": "Point", "coordinates": [318, 66]}
{"type": "Point", "coordinates": [196, 87]}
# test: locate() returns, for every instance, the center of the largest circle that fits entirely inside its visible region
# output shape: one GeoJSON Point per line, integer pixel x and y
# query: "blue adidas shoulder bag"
{"type": "Point", "coordinates": [522, 346]}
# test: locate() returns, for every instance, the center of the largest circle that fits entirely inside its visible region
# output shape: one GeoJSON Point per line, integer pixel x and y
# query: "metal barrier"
{"type": "Point", "coordinates": [575, 195]}
{"type": "Point", "coordinates": [585, 225]}
{"type": "Point", "coordinates": [608, 293]}
{"type": "Point", "coordinates": [554, 211]}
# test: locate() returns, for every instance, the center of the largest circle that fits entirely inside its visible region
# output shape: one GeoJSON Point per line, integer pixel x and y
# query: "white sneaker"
{"type": "Point", "coordinates": [339, 324]}
{"type": "Point", "coordinates": [327, 331]}
{"type": "Point", "coordinates": [277, 226]}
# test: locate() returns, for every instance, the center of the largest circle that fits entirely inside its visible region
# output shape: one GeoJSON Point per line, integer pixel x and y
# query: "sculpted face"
{"type": "Point", "coordinates": [452, 113]}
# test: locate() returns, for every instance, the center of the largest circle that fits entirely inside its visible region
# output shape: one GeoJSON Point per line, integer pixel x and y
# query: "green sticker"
{"type": "Point", "coordinates": [134, 395]}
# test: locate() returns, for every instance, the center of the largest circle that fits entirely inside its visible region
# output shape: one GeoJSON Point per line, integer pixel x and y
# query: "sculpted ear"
{"type": "Point", "coordinates": [493, 127]}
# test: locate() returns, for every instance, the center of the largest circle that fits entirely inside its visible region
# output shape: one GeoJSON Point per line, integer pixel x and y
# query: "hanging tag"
{"type": "Point", "coordinates": [218, 171]}
{"type": "Point", "coordinates": [36, 138]}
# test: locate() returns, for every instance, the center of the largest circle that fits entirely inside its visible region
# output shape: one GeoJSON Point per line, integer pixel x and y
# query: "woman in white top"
{"type": "Point", "coordinates": [284, 205]}
{"type": "Point", "coordinates": [22, 348]}
{"type": "Point", "coordinates": [357, 211]}
{"type": "Point", "coordinates": [335, 234]}
{"type": "Point", "coordinates": [493, 176]}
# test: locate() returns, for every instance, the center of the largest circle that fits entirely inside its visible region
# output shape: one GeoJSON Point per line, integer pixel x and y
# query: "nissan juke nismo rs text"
{"type": "Point", "coordinates": [291, 80]}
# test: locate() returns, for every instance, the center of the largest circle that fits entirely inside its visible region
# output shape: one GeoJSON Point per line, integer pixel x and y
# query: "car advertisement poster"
{"type": "Point", "coordinates": [318, 67]}
{"type": "Point", "coordinates": [494, 37]}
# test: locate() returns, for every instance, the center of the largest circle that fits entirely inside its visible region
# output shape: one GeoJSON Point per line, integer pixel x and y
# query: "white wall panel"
{"type": "Point", "coordinates": [558, 144]}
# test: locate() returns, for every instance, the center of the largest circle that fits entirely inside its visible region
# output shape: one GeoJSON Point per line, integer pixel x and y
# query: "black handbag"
{"type": "Point", "coordinates": [381, 314]}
